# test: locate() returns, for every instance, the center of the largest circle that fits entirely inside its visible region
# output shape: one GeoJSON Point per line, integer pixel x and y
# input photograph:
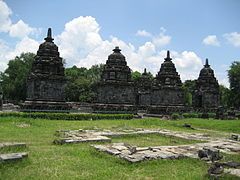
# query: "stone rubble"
{"type": "Point", "coordinates": [209, 147]}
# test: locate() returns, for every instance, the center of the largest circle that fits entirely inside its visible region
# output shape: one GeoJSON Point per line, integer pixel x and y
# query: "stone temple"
{"type": "Point", "coordinates": [46, 81]}
{"type": "Point", "coordinates": [206, 95]}
{"type": "Point", "coordinates": [162, 94]}
{"type": "Point", "coordinates": [167, 93]}
{"type": "Point", "coordinates": [116, 86]}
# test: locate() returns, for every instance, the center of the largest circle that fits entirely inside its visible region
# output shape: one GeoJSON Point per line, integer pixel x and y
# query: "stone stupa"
{"type": "Point", "coordinates": [167, 93]}
{"type": "Point", "coordinates": [206, 94]}
{"type": "Point", "coordinates": [46, 81]}
{"type": "Point", "coordinates": [115, 88]}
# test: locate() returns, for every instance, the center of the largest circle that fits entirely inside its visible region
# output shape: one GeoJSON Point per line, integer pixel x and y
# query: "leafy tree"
{"type": "Point", "coordinates": [188, 88]}
{"type": "Point", "coordinates": [15, 76]}
{"type": "Point", "coordinates": [81, 82]}
{"type": "Point", "coordinates": [136, 75]}
{"type": "Point", "coordinates": [224, 96]}
{"type": "Point", "coordinates": [234, 79]}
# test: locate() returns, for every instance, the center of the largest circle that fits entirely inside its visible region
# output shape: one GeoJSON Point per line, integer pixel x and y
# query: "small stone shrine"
{"type": "Point", "coordinates": [144, 86]}
{"type": "Point", "coordinates": [116, 86]}
{"type": "Point", "coordinates": [46, 81]}
{"type": "Point", "coordinates": [206, 94]}
{"type": "Point", "coordinates": [167, 88]}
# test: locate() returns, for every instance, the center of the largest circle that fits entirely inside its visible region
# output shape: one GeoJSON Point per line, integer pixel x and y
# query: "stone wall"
{"type": "Point", "coordinates": [48, 89]}
{"type": "Point", "coordinates": [167, 97]}
{"type": "Point", "coordinates": [115, 94]}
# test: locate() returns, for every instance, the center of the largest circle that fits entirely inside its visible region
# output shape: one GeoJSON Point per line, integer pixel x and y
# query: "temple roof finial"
{"type": "Point", "coordinates": [168, 58]}
{"type": "Point", "coordinates": [206, 63]}
{"type": "Point", "coordinates": [145, 71]}
{"type": "Point", "coordinates": [49, 35]}
{"type": "Point", "coordinates": [117, 50]}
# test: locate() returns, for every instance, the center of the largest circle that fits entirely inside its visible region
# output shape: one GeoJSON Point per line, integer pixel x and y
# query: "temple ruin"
{"type": "Point", "coordinates": [206, 94]}
{"type": "Point", "coordinates": [46, 82]}
{"type": "Point", "coordinates": [116, 90]}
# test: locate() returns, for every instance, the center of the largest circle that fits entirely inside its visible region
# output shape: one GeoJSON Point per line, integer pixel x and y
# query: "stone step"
{"type": "Point", "coordinates": [12, 156]}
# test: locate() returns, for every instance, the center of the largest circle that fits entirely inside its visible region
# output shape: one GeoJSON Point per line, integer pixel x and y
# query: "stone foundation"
{"type": "Point", "coordinates": [44, 106]}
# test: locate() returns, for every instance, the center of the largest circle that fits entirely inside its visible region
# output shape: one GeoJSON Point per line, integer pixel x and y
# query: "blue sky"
{"type": "Point", "coordinates": [87, 30]}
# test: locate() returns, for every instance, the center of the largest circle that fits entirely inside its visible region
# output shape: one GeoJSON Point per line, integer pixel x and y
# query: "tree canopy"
{"type": "Point", "coordinates": [234, 80]}
{"type": "Point", "coordinates": [15, 76]}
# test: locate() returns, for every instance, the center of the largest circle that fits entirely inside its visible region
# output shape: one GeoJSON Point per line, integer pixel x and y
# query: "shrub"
{"type": "Point", "coordinates": [190, 115]}
{"type": "Point", "coordinates": [175, 116]}
{"type": "Point", "coordinates": [65, 116]}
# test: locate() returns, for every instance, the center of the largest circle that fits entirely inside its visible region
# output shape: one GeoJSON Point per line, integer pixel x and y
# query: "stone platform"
{"type": "Point", "coordinates": [44, 106]}
{"type": "Point", "coordinates": [78, 136]}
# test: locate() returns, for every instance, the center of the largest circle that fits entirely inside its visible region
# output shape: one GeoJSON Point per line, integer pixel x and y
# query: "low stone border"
{"type": "Point", "coordinates": [79, 136]}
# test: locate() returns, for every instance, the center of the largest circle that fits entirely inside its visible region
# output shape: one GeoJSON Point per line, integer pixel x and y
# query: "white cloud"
{"type": "Point", "coordinates": [25, 45]}
{"type": "Point", "coordinates": [79, 38]}
{"type": "Point", "coordinates": [211, 40]}
{"type": "Point", "coordinates": [158, 40]}
{"type": "Point", "coordinates": [161, 39]}
{"type": "Point", "coordinates": [4, 49]}
{"type": "Point", "coordinates": [81, 44]}
{"type": "Point", "coordinates": [6, 53]}
{"type": "Point", "coordinates": [20, 29]}
{"type": "Point", "coordinates": [143, 33]}
{"type": "Point", "coordinates": [233, 38]}
{"type": "Point", "coordinates": [5, 21]}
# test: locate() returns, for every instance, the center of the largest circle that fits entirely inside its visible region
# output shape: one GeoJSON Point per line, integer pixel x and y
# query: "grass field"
{"type": "Point", "coordinates": [80, 161]}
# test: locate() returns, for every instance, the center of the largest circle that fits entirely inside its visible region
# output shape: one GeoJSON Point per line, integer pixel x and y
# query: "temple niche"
{"type": "Point", "coordinates": [46, 81]}
{"type": "Point", "coordinates": [116, 85]}
{"type": "Point", "coordinates": [167, 87]}
{"type": "Point", "coordinates": [206, 94]}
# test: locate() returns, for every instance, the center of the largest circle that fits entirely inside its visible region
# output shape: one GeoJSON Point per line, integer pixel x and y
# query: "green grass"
{"type": "Point", "coordinates": [80, 161]}
{"type": "Point", "coordinates": [151, 140]}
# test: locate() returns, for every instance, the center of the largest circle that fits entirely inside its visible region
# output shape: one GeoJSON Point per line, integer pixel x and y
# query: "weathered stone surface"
{"type": "Point", "coordinates": [12, 156]}
{"type": "Point", "coordinates": [211, 154]}
{"type": "Point", "coordinates": [143, 90]}
{"type": "Point", "coordinates": [235, 172]}
{"type": "Point", "coordinates": [116, 86]}
{"type": "Point", "coordinates": [46, 82]}
{"type": "Point", "coordinates": [167, 90]}
{"type": "Point", "coordinates": [215, 169]}
{"type": "Point", "coordinates": [12, 144]}
{"type": "Point", "coordinates": [206, 94]}
{"type": "Point", "coordinates": [208, 151]}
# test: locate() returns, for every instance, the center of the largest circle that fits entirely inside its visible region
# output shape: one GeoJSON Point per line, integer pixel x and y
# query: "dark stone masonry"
{"type": "Point", "coordinates": [46, 82]}
{"type": "Point", "coordinates": [116, 85]}
{"type": "Point", "coordinates": [206, 95]}
{"type": "Point", "coordinates": [116, 91]}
